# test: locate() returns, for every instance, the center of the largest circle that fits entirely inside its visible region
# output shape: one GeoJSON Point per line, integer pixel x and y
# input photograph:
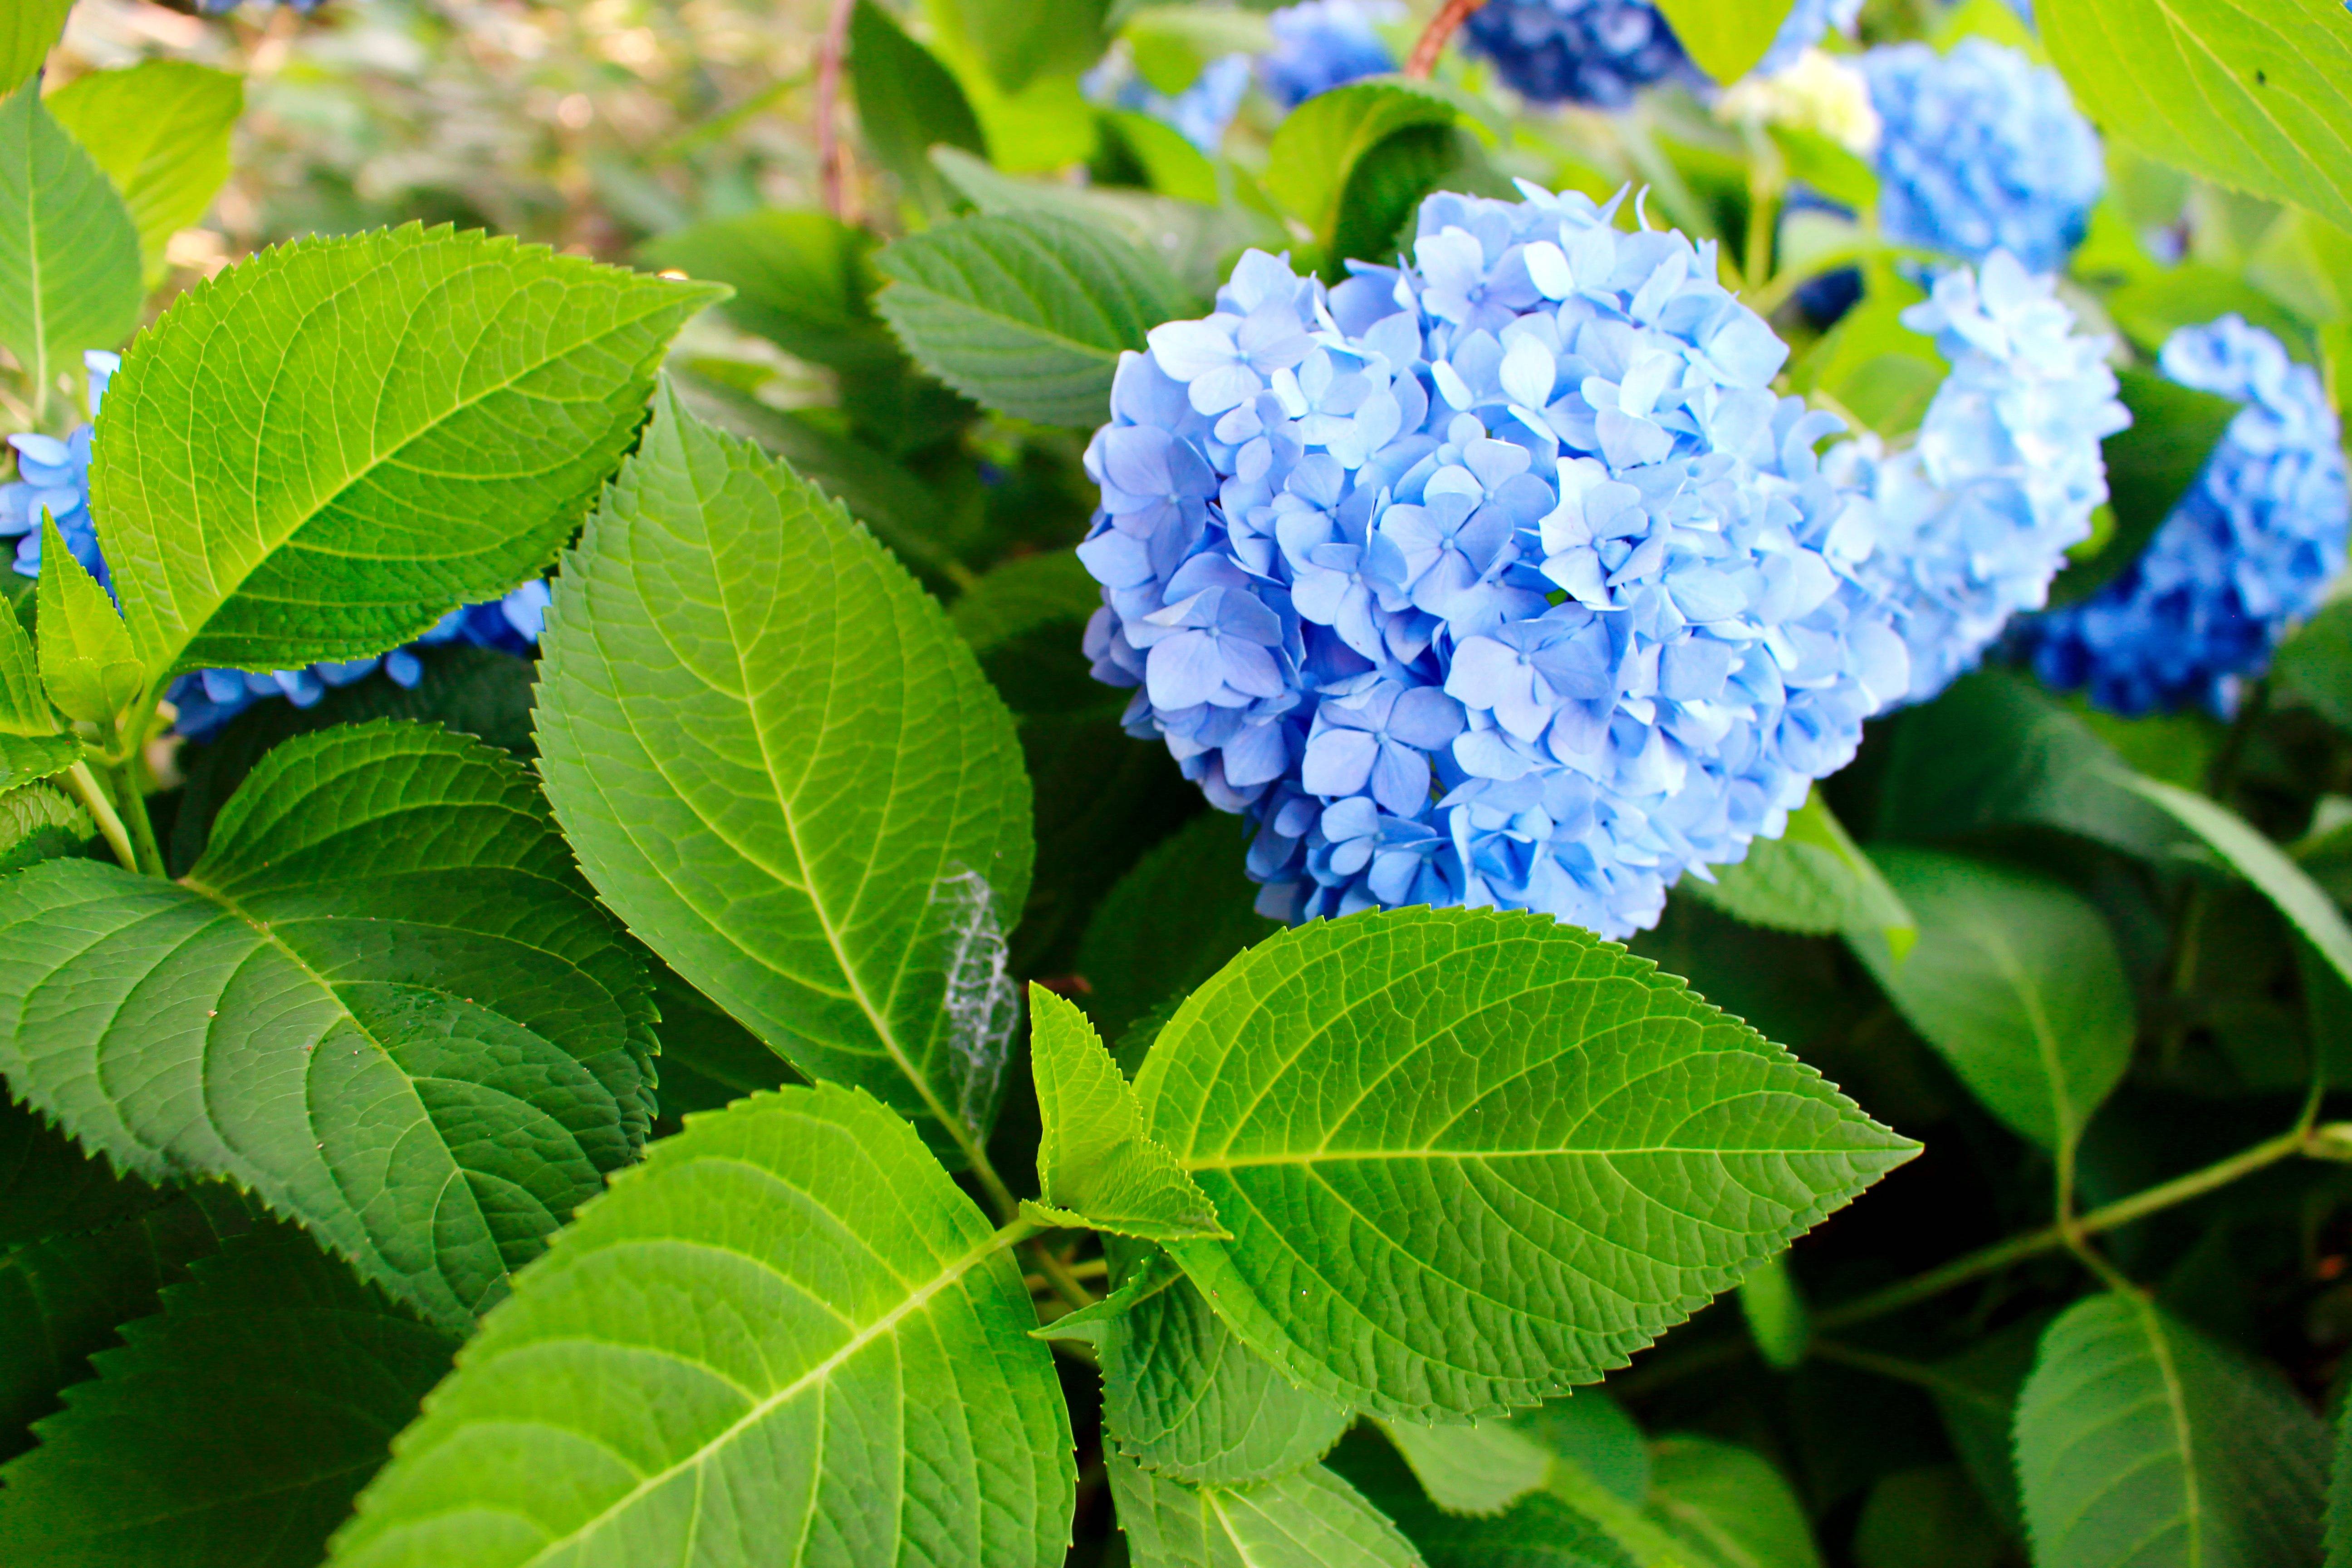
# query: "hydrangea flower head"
{"type": "Point", "coordinates": [1324, 43]}
{"type": "Point", "coordinates": [2248, 550]}
{"type": "Point", "coordinates": [1503, 578]}
{"type": "Point", "coordinates": [1974, 517]}
{"type": "Point", "coordinates": [1200, 114]}
{"type": "Point", "coordinates": [54, 474]}
{"type": "Point", "coordinates": [1599, 52]}
{"type": "Point", "coordinates": [1981, 149]}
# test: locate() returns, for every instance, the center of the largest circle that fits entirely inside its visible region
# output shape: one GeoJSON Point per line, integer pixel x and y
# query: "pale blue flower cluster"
{"type": "Point", "coordinates": [1200, 114]}
{"type": "Point", "coordinates": [1503, 579]}
{"type": "Point", "coordinates": [2250, 549]}
{"type": "Point", "coordinates": [1601, 52]}
{"type": "Point", "coordinates": [1979, 149]}
{"type": "Point", "coordinates": [54, 474]}
{"type": "Point", "coordinates": [1974, 517]}
{"type": "Point", "coordinates": [1324, 43]}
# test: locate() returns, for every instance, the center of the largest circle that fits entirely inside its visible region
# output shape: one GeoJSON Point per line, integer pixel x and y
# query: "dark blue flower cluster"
{"type": "Point", "coordinates": [2250, 549]}
{"type": "Point", "coordinates": [1324, 43]}
{"type": "Point", "coordinates": [1502, 579]}
{"type": "Point", "coordinates": [1601, 52]}
{"type": "Point", "coordinates": [1981, 149]}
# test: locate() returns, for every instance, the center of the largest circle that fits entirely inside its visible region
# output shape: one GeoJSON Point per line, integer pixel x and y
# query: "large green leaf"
{"type": "Point", "coordinates": [778, 762]}
{"type": "Point", "coordinates": [796, 1330]}
{"type": "Point", "coordinates": [1136, 958]}
{"type": "Point", "coordinates": [1726, 1507]}
{"type": "Point", "coordinates": [321, 451]}
{"type": "Point", "coordinates": [2017, 982]}
{"type": "Point", "coordinates": [381, 1002]}
{"type": "Point", "coordinates": [1482, 1469]}
{"type": "Point", "coordinates": [2150, 464]}
{"type": "Point", "coordinates": [1725, 38]}
{"type": "Point", "coordinates": [2142, 1443]}
{"type": "Point", "coordinates": [1539, 1530]}
{"type": "Point", "coordinates": [1026, 313]}
{"type": "Point", "coordinates": [28, 29]}
{"type": "Point", "coordinates": [1307, 1518]}
{"type": "Point", "coordinates": [1814, 879]}
{"type": "Point", "coordinates": [2313, 913]}
{"type": "Point", "coordinates": [1020, 40]}
{"type": "Point", "coordinates": [161, 131]}
{"type": "Point", "coordinates": [1470, 1158]}
{"type": "Point", "coordinates": [68, 250]}
{"type": "Point", "coordinates": [1317, 149]}
{"type": "Point", "coordinates": [800, 281]}
{"type": "Point", "coordinates": [1097, 1165]}
{"type": "Point", "coordinates": [231, 1431]}
{"type": "Point", "coordinates": [2255, 94]}
{"type": "Point", "coordinates": [907, 103]}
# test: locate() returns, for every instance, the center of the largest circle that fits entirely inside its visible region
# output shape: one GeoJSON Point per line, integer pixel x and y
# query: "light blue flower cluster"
{"type": "Point", "coordinates": [1981, 149]}
{"type": "Point", "coordinates": [54, 474]}
{"type": "Point", "coordinates": [1601, 52]}
{"type": "Point", "coordinates": [1503, 579]}
{"type": "Point", "coordinates": [1974, 517]}
{"type": "Point", "coordinates": [1200, 114]}
{"type": "Point", "coordinates": [2250, 549]}
{"type": "Point", "coordinates": [1324, 43]}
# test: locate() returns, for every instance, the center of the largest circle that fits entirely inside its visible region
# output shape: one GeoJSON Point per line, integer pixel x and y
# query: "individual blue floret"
{"type": "Point", "coordinates": [1199, 113]}
{"type": "Point", "coordinates": [1503, 579]}
{"type": "Point", "coordinates": [2248, 551]}
{"type": "Point", "coordinates": [1598, 52]}
{"type": "Point", "coordinates": [1972, 520]}
{"type": "Point", "coordinates": [1324, 43]}
{"type": "Point", "coordinates": [1981, 149]}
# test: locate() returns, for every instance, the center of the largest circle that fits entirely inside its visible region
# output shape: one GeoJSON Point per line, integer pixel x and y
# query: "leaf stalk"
{"type": "Point", "coordinates": [93, 796]}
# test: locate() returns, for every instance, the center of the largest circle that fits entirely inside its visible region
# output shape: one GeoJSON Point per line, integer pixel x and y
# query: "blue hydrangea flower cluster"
{"type": "Point", "coordinates": [2249, 550]}
{"type": "Point", "coordinates": [1601, 52]}
{"type": "Point", "coordinates": [1501, 579]}
{"type": "Point", "coordinates": [55, 475]}
{"type": "Point", "coordinates": [1324, 43]}
{"type": "Point", "coordinates": [1200, 114]}
{"type": "Point", "coordinates": [1981, 149]}
{"type": "Point", "coordinates": [1974, 517]}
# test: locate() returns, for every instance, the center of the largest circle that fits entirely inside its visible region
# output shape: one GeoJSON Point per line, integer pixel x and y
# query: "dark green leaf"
{"type": "Point", "coordinates": [1976, 1394]}
{"type": "Point", "coordinates": [161, 131]}
{"type": "Point", "coordinates": [2150, 309]}
{"type": "Point", "coordinates": [2263, 863]}
{"type": "Point", "coordinates": [1383, 192]}
{"type": "Point", "coordinates": [1728, 1507]}
{"type": "Point", "coordinates": [68, 250]}
{"type": "Point", "coordinates": [2339, 1497]}
{"type": "Point", "coordinates": [708, 1059]}
{"type": "Point", "coordinates": [1103, 798]}
{"type": "Point", "coordinates": [1025, 313]}
{"type": "Point", "coordinates": [1307, 1518]}
{"type": "Point", "coordinates": [1096, 1164]}
{"type": "Point", "coordinates": [1021, 40]}
{"type": "Point", "coordinates": [2151, 466]}
{"type": "Point", "coordinates": [1481, 1468]}
{"type": "Point", "coordinates": [1026, 619]}
{"type": "Point", "coordinates": [1317, 151]}
{"type": "Point", "coordinates": [1927, 1517]}
{"type": "Point", "coordinates": [1876, 367]}
{"type": "Point", "coordinates": [907, 103]}
{"type": "Point", "coordinates": [381, 1002]}
{"type": "Point", "coordinates": [88, 665]}
{"type": "Point", "coordinates": [231, 1431]}
{"type": "Point", "coordinates": [48, 1187]}
{"type": "Point", "coordinates": [1539, 1532]}
{"type": "Point", "coordinates": [802, 280]}
{"type": "Point", "coordinates": [2315, 663]}
{"type": "Point", "coordinates": [1135, 957]}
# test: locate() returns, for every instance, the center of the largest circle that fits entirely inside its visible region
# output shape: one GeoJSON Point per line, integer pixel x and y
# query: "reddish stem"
{"type": "Point", "coordinates": [832, 157]}
{"type": "Point", "coordinates": [1432, 42]}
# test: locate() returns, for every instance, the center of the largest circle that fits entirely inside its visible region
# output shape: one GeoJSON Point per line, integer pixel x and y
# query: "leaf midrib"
{"type": "Point", "coordinates": [1354, 1156]}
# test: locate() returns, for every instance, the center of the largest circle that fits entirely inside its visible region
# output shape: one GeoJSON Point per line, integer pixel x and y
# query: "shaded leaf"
{"type": "Point", "coordinates": [1307, 1518]}
{"type": "Point", "coordinates": [1317, 150]}
{"type": "Point", "coordinates": [1097, 1165]}
{"type": "Point", "coordinates": [2150, 463]}
{"type": "Point", "coordinates": [2263, 863]}
{"type": "Point", "coordinates": [2315, 663]}
{"type": "Point", "coordinates": [1812, 880]}
{"type": "Point", "coordinates": [1539, 1530]}
{"type": "Point", "coordinates": [48, 1187]}
{"type": "Point", "coordinates": [801, 280]}
{"type": "Point", "coordinates": [907, 103]}
{"type": "Point", "coordinates": [68, 250]}
{"type": "Point", "coordinates": [1026, 619]}
{"type": "Point", "coordinates": [161, 131]}
{"type": "Point", "coordinates": [1481, 1468]}
{"type": "Point", "coordinates": [1727, 1507]}
{"type": "Point", "coordinates": [1135, 957]}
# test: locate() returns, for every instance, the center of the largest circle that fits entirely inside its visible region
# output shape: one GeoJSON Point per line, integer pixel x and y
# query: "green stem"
{"type": "Point", "coordinates": [1775, 294]}
{"type": "Point", "coordinates": [93, 794]}
{"type": "Point", "coordinates": [1057, 1274]}
{"type": "Point", "coordinates": [134, 810]}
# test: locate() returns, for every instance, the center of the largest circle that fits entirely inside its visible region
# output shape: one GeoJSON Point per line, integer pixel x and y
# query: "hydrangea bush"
{"type": "Point", "coordinates": [1098, 856]}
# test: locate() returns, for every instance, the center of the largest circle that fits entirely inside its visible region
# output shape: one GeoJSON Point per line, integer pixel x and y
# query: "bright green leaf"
{"type": "Point", "coordinates": [801, 280]}
{"type": "Point", "coordinates": [2149, 310]}
{"type": "Point", "coordinates": [2256, 96]}
{"type": "Point", "coordinates": [1171, 166]}
{"type": "Point", "coordinates": [88, 665]}
{"type": "Point", "coordinates": [23, 705]}
{"type": "Point", "coordinates": [1725, 38]}
{"type": "Point", "coordinates": [1727, 1508]}
{"type": "Point", "coordinates": [1090, 1325]}
{"type": "Point", "coordinates": [161, 131]}
{"type": "Point", "coordinates": [907, 103]}
{"type": "Point", "coordinates": [2151, 466]}
{"type": "Point", "coordinates": [1096, 1164]}
{"type": "Point", "coordinates": [1827, 165]}
{"type": "Point", "coordinates": [1315, 150]}
{"type": "Point", "coordinates": [68, 250]}
{"type": "Point", "coordinates": [1814, 879]}
{"type": "Point", "coordinates": [1025, 313]}
{"type": "Point", "coordinates": [1135, 958]}
{"type": "Point", "coordinates": [1172, 44]}
{"type": "Point", "coordinates": [381, 1002]}
{"type": "Point", "coordinates": [271, 1352]}
{"type": "Point", "coordinates": [1481, 1468]}
{"type": "Point", "coordinates": [321, 452]}
{"type": "Point", "coordinates": [1539, 1530]}
{"type": "Point", "coordinates": [2263, 864]}
{"type": "Point", "coordinates": [28, 30]}
{"type": "Point", "coordinates": [1307, 1518]}
{"type": "Point", "coordinates": [27, 758]}
{"type": "Point", "coordinates": [1349, 1094]}
{"type": "Point", "coordinates": [2016, 981]}
{"type": "Point", "coordinates": [796, 1330]}
{"type": "Point", "coordinates": [1592, 1432]}
{"type": "Point", "coordinates": [778, 762]}
{"type": "Point", "coordinates": [2142, 1443]}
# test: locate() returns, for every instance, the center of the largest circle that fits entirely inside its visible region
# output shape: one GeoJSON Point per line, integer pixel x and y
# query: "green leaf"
{"type": "Point", "coordinates": [708, 1060]}
{"type": "Point", "coordinates": [23, 705]}
{"type": "Point", "coordinates": [1481, 1468]}
{"type": "Point", "coordinates": [1929, 1516]}
{"type": "Point", "coordinates": [1315, 150]}
{"type": "Point", "coordinates": [801, 280]}
{"type": "Point", "coordinates": [2339, 1498]}
{"type": "Point", "coordinates": [88, 665]}
{"type": "Point", "coordinates": [2263, 863]}
{"type": "Point", "coordinates": [1812, 880]}
{"type": "Point", "coordinates": [1103, 799]}
{"type": "Point", "coordinates": [1775, 1311]}
{"type": "Point", "coordinates": [2151, 466]}
{"type": "Point", "coordinates": [381, 1002]}
{"type": "Point", "coordinates": [1307, 1518]}
{"type": "Point", "coordinates": [2314, 663]}
{"type": "Point", "coordinates": [1539, 1530]}
{"type": "Point", "coordinates": [1976, 1394]}
{"type": "Point", "coordinates": [799, 1331]}
{"type": "Point", "coordinates": [2256, 97]}
{"type": "Point", "coordinates": [1384, 191]}
{"type": "Point", "coordinates": [1098, 1166]}
{"type": "Point", "coordinates": [1171, 165]}
{"type": "Point", "coordinates": [1881, 370]}
{"type": "Point", "coordinates": [1025, 619]}
{"type": "Point", "coordinates": [907, 103]}
{"type": "Point", "coordinates": [2017, 982]}
{"type": "Point", "coordinates": [27, 758]}
{"type": "Point", "coordinates": [1827, 165]}
{"type": "Point", "coordinates": [2150, 309]}
{"type": "Point", "coordinates": [49, 1187]}
{"type": "Point", "coordinates": [1725, 38]}
{"type": "Point", "coordinates": [1186, 1399]}
{"type": "Point", "coordinates": [1025, 313]}
{"type": "Point", "coordinates": [1592, 1432]}
{"type": "Point", "coordinates": [68, 250]}
{"type": "Point", "coordinates": [1727, 1508]}
{"type": "Point", "coordinates": [28, 30]}
{"type": "Point", "coordinates": [779, 764]}
{"type": "Point", "coordinates": [1174, 44]}
{"type": "Point", "coordinates": [1341, 1083]}
{"type": "Point", "coordinates": [1022, 41]}
{"type": "Point", "coordinates": [161, 131]}
{"type": "Point", "coordinates": [271, 1354]}
{"type": "Point", "coordinates": [2141, 1441]}
{"type": "Point", "coordinates": [1136, 958]}
{"type": "Point", "coordinates": [321, 451]}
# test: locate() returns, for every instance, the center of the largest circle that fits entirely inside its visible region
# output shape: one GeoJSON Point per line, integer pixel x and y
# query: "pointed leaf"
{"type": "Point", "coordinates": [1610, 1151]}
{"type": "Point", "coordinates": [2258, 861]}
{"type": "Point", "coordinates": [1725, 38]}
{"type": "Point", "coordinates": [161, 131]}
{"type": "Point", "coordinates": [48, 1187]}
{"type": "Point", "coordinates": [23, 705]}
{"type": "Point", "coordinates": [1309, 1518]}
{"type": "Point", "coordinates": [324, 449]}
{"type": "Point", "coordinates": [1814, 878]}
{"type": "Point", "coordinates": [2150, 463]}
{"type": "Point", "coordinates": [28, 30]}
{"type": "Point", "coordinates": [68, 251]}
{"type": "Point", "coordinates": [1096, 1164]}
{"type": "Point", "coordinates": [799, 1331]}
{"type": "Point", "coordinates": [1090, 1325]}
{"type": "Point", "coordinates": [381, 1002]}
{"type": "Point", "coordinates": [907, 103]}
{"type": "Point", "coordinates": [2141, 1441]}
{"type": "Point", "coordinates": [88, 665]}
{"type": "Point", "coordinates": [26, 758]}
{"type": "Point", "coordinates": [273, 1357]}
{"type": "Point", "coordinates": [1317, 149]}
{"type": "Point", "coordinates": [1025, 313]}
{"type": "Point", "coordinates": [1482, 1469]}
{"type": "Point", "coordinates": [2016, 981]}
{"type": "Point", "coordinates": [777, 762]}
